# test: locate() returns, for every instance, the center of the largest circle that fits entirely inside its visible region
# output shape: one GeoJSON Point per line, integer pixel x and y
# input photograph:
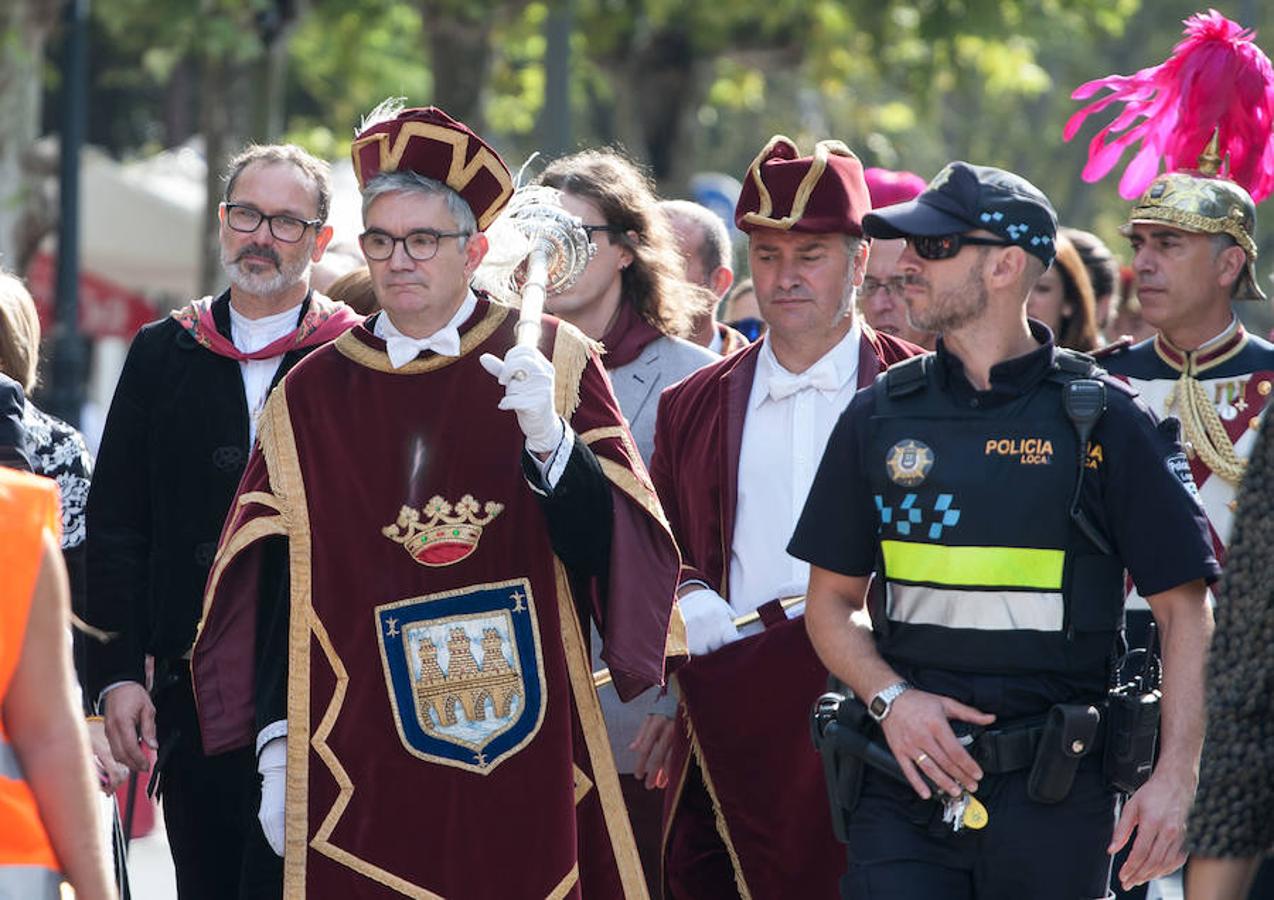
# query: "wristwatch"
{"type": "Point", "coordinates": [884, 701]}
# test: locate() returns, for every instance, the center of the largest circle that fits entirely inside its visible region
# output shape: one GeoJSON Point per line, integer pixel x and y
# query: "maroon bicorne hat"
{"type": "Point", "coordinates": [819, 194]}
{"type": "Point", "coordinates": [430, 143]}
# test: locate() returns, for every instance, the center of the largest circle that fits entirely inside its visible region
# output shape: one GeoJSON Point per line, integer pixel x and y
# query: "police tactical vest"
{"type": "Point", "coordinates": [983, 568]}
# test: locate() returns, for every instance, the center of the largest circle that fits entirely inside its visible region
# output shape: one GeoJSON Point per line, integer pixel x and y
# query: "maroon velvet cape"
{"type": "Point", "coordinates": [744, 714]}
{"type": "Point", "coordinates": [350, 450]}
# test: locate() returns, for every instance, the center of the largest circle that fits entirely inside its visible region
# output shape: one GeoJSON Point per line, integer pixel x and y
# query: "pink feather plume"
{"type": "Point", "coordinates": [1215, 78]}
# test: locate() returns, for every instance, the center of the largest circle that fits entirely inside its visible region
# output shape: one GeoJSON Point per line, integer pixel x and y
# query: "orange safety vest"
{"type": "Point", "coordinates": [28, 508]}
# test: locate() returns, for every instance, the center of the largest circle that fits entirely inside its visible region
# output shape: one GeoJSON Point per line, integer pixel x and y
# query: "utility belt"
{"type": "Point", "coordinates": [1050, 747]}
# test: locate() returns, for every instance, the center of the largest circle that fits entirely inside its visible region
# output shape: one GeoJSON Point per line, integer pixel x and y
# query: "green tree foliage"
{"type": "Point", "coordinates": [684, 85]}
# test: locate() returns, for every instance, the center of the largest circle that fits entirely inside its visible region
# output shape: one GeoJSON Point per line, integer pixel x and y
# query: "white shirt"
{"type": "Point", "coordinates": [783, 443]}
{"type": "Point", "coordinates": [250, 335]}
{"type": "Point", "coordinates": [716, 343]}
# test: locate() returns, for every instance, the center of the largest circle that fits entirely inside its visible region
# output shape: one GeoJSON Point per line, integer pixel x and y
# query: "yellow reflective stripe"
{"type": "Point", "coordinates": [1016, 567]}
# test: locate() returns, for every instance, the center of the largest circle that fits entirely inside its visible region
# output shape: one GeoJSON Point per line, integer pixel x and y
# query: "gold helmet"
{"type": "Point", "coordinates": [1202, 202]}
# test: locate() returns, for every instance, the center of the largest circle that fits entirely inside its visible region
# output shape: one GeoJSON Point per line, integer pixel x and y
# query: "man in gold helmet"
{"type": "Point", "coordinates": [1194, 255]}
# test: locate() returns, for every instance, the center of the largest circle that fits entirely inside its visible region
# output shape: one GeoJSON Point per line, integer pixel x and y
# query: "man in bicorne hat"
{"type": "Point", "coordinates": [415, 552]}
{"type": "Point", "coordinates": [736, 447]}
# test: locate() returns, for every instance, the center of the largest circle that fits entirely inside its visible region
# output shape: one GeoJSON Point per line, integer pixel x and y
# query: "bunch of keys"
{"type": "Point", "coordinates": [965, 811]}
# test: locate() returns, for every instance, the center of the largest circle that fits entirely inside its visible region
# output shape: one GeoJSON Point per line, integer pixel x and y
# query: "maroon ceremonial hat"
{"type": "Point", "coordinates": [816, 194]}
{"type": "Point", "coordinates": [431, 143]}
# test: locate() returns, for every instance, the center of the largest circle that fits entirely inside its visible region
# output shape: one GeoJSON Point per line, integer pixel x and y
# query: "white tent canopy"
{"type": "Point", "coordinates": [141, 221]}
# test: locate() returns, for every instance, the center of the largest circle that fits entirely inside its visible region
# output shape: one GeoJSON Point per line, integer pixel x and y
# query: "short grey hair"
{"type": "Point", "coordinates": [852, 245]}
{"type": "Point", "coordinates": [715, 250]}
{"type": "Point", "coordinates": [319, 172]}
{"type": "Point", "coordinates": [406, 182]}
{"type": "Point", "coordinates": [1222, 242]}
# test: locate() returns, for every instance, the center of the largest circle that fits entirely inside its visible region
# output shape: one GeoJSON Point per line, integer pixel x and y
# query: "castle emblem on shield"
{"type": "Point", "coordinates": [465, 673]}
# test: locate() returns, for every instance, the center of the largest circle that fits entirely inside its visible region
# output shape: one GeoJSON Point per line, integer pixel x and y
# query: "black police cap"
{"type": "Point", "coordinates": [964, 197]}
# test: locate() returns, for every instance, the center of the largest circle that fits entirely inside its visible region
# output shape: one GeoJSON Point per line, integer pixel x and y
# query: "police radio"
{"type": "Point", "coordinates": [1084, 400]}
{"type": "Point", "coordinates": [1132, 724]}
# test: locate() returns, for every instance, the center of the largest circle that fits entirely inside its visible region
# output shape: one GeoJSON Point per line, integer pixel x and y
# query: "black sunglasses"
{"type": "Point", "coordinates": [945, 246]}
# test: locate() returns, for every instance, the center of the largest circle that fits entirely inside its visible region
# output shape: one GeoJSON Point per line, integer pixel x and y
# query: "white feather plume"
{"type": "Point", "coordinates": [384, 111]}
{"type": "Point", "coordinates": [510, 245]}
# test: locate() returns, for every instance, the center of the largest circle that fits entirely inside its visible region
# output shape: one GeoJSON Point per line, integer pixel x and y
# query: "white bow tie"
{"type": "Point", "coordinates": [821, 376]}
{"type": "Point", "coordinates": [403, 349]}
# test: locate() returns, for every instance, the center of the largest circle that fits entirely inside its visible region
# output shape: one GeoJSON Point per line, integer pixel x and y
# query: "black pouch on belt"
{"type": "Point", "coordinates": [1069, 734]}
{"type": "Point", "coordinates": [836, 712]}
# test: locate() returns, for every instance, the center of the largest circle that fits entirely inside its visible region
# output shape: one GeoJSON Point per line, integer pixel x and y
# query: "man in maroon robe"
{"type": "Point", "coordinates": [736, 446]}
{"type": "Point", "coordinates": [420, 693]}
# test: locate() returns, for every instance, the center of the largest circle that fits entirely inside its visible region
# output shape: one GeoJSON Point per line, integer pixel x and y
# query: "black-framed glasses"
{"type": "Point", "coordinates": [591, 230]}
{"type": "Point", "coordinates": [945, 246]}
{"type": "Point", "coordinates": [421, 244]}
{"type": "Point", "coordinates": [246, 219]}
{"type": "Point", "coordinates": [893, 286]}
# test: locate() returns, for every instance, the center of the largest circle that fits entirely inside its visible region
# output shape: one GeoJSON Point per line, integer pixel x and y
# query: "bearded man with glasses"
{"type": "Point", "coordinates": [999, 489]}
{"type": "Point", "coordinates": [176, 442]}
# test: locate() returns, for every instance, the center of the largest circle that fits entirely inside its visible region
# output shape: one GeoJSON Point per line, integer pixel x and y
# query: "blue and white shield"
{"type": "Point", "coordinates": [465, 673]}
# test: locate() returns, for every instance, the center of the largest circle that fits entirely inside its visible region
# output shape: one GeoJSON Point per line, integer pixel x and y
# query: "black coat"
{"type": "Point", "coordinates": [13, 441]}
{"type": "Point", "coordinates": [174, 447]}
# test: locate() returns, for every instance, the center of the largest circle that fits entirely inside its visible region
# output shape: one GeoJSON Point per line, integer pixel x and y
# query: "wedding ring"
{"type": "Point", "coordinates": [921, 758]}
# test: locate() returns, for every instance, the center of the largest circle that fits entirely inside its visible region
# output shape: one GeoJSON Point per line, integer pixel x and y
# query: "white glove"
{"type": "Point", "coordinates": [530, 395]}
{"type": "Point", "coordinates": [272, 764]}
{"type": "Point", "coordinates": [709, 621]}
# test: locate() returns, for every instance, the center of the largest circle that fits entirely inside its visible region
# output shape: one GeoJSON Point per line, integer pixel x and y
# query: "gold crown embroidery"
{"type": "Point", "coordinates": [448, 535]}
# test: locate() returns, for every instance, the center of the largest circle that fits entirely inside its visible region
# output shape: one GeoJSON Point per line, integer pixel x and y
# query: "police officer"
{"type": "Point", "coordinates": [958, 479]}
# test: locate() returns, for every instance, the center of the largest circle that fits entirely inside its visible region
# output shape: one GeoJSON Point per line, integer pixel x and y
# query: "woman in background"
{"type": "Point", "coordinates": [1063, 300]}
{"type": "Point", "coordinates": [58, 452]}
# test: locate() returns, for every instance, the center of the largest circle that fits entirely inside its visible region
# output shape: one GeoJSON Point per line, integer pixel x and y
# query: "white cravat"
{"type": "Point", "coordinates": [250, 335]}
{"type": "Point", "coordinates": [445, 341]}
{"type": "Point", "coordinates": [821, 376]}
{"type": "Point", "coordinates": [789, 419]}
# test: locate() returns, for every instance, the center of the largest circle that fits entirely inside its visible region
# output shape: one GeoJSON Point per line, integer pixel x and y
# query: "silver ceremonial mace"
{"type": "Point", "coordinates": [560, 249]}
